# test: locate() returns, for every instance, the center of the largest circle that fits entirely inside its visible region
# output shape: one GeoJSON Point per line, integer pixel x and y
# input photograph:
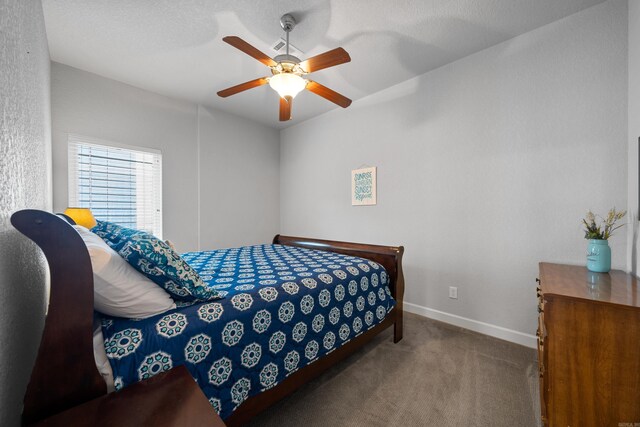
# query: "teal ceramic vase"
{"type": "Point", "coordinates": [599, 256]}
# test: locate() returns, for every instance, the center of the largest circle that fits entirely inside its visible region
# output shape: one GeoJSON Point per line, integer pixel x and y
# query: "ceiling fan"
{"type": "Point", "coordinates": [288, 72]}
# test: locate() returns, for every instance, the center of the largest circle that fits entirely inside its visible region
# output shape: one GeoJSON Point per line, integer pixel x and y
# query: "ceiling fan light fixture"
{"type": "Point", "coordinates": [288, 71]}
{"type": "Point", "coordinates": [287, 84]}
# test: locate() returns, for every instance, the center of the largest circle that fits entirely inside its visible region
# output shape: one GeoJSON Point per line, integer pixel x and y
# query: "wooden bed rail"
{"type": "Point", "coordinates": [65, 372]}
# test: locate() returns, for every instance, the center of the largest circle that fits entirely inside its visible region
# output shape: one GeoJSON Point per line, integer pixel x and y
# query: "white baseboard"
{"type": "Point", "coordinates": [526, 340]}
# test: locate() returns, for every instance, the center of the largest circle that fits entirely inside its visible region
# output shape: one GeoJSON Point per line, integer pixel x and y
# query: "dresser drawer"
{"type": "Point", "coordinates": [543, 403]}
{"type": "Point", "coordinates": [539, 296]}
{"type": "Point", "coordinates": [541, 334]}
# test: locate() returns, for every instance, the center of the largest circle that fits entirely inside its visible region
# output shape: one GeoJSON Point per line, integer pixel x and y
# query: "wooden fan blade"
{"type": "Point", "coordinates": [329, 94]}
{"type": "Point", "coordinates": [328, 59]}
{"type": "Point", "coordinates": [285, 108]}
{"type": "Point", "coordinates": [242, 45]}
{"type": "Point", "coordinates": [243, 86]}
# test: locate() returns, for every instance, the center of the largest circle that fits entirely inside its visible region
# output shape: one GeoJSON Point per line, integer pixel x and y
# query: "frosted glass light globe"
{"type": "Point", "coordinates": [287, 84]}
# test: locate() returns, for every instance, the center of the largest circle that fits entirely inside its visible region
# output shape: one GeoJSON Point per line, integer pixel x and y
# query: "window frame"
{"type": "Point", "coordinates": [72, 180]}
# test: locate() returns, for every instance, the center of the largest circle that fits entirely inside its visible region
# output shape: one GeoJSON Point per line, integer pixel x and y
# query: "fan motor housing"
{"type": "Point", "coordinates": [287, 58]}
{"type": "Point", "coordinates": [287, 64]}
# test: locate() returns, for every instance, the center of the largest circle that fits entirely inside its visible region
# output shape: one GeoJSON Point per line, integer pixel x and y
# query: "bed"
{"type": "Point", "coordinates": [290, 311]}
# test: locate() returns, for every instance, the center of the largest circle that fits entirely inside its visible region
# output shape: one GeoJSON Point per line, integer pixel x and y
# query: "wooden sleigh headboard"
{"type": "Point", "coordinates": [65, 373]}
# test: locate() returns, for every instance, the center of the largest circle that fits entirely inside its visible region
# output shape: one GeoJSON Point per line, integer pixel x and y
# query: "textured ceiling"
{"type": "Point", "coordinates": [175, 48]}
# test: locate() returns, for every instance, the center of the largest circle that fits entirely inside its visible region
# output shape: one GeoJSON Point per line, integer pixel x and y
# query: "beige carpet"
{"type": "Point", "coordinates": [438, 375]}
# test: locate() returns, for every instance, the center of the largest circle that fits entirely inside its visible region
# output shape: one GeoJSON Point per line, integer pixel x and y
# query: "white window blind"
{"type": "Point", "coordinates": [119, 184]}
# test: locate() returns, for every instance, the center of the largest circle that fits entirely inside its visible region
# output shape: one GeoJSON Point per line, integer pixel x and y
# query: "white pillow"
{"type": "Point", "coordinates": [118, 288]}
{"type": "Point", "coordinates": [102, 362]}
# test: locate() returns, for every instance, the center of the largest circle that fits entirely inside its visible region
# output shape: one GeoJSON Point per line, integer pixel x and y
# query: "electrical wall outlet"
{"type": "Point", "coordinates": [453, 292]}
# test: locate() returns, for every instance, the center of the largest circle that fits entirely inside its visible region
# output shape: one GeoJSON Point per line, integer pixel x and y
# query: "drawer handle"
{"type": "Point", "coordinates": [537, 280]}
{"type": "Point", "coordinates": [540, 310]}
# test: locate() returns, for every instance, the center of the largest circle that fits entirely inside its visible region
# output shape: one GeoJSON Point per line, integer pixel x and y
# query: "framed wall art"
{"type": "Point", "coordinates": [363, 186]}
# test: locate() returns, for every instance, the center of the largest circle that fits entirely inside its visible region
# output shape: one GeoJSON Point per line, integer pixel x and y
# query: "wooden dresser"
{"type": "Point", "coordinates": [588, 347]}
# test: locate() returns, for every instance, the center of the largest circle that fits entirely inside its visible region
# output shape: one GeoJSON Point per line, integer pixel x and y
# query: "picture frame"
{"type": "Point", "coordinates": [364, 186]}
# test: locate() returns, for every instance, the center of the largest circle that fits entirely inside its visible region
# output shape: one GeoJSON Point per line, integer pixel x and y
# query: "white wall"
{"type": "Point", "coordinates": [90, 105]}
{"type": "Point", "coordinates": [25, 182]}
{"type": "Point", "coordinates": [633, 262]}
{"type": "Point", "coordinates": [207, 157]}
{"type": "Point", "coordinates": [239, 180]}
{"type": "Point", "coordinates": [485, 167]}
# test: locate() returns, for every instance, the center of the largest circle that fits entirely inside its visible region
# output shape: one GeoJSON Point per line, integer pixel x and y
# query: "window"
{"type": "Point", "coordinates": [118, 183]}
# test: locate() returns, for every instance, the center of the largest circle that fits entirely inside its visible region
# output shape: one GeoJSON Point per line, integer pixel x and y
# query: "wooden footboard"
{"type": "Point", "coordinates": [390, 258]}
{"type": "Point", "coordinates": [65, 374]}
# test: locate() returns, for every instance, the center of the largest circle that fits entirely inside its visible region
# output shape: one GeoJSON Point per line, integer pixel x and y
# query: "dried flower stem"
{"type": "Point", "coordinates": [596, 231]}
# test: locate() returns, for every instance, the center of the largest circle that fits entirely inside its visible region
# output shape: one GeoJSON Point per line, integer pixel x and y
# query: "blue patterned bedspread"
{"type": "Point", "coordinates": [284, 308]}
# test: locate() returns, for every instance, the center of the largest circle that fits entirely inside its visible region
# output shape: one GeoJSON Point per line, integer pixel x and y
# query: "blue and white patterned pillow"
{"type": "Point", "coordinates": [113, 234]}
{"type": "Point", "coordinates": [156, 260]}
